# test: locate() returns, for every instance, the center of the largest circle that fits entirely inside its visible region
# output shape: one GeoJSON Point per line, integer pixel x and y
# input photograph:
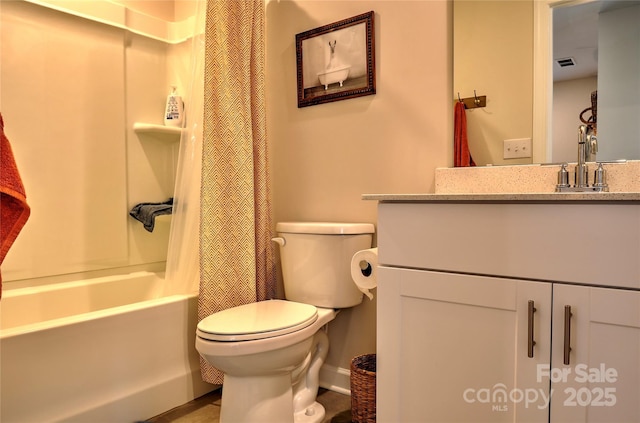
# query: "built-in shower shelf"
{"type": "Point", "coordinates": [165, 133]}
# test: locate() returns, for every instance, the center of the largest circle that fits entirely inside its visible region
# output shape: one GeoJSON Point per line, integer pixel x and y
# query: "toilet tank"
{"type": "Point", "coordinates": [316, 261]}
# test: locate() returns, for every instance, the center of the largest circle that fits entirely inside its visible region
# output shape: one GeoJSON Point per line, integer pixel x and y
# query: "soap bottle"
{"type": "Point", "coordinates": [174, 111]}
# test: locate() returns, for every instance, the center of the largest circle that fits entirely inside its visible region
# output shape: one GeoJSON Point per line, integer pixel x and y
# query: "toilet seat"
{"type": "Point", "coordinates": [265, 319]}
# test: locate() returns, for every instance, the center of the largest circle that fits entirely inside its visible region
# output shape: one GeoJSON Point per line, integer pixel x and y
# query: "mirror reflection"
{"type": "Point", "coordinates": [493, 55]}
{"type": "Point", "coordinates": [596, 52]}
{"type": "Point", "coordinates": [493, 49]}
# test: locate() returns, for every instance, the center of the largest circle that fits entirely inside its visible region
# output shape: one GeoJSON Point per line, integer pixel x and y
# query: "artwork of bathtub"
{"type": "Point", "coordinates": [338, 74]}
{"type": "Point", "coordinates": [108, 349]}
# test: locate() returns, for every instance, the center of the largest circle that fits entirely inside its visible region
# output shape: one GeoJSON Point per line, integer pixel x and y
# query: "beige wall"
{"type": "Point", "coordinates": [325, 157]}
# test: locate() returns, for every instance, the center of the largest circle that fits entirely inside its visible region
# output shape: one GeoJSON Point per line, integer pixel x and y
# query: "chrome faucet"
{"type": "Point", "coordinates": [582, 176]}
{"type": "Point", "coordinates": [587, 149]}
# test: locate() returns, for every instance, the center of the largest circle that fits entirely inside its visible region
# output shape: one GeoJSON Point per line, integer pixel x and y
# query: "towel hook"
{"type": "Point", "coordinates": [472, 102]}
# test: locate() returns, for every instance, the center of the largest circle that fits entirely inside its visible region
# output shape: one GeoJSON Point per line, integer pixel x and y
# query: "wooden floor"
{"type": "Point", "coordinates": [206, 409]}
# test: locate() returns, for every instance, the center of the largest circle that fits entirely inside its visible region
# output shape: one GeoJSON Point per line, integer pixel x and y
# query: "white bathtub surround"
{"type": "Point", "coordinates": [108, 349]}
{"type": "Point", "coordinates": [118, 74]}
{"type": "Point", "coordinates": [120, 16]}
{"type": "Point", "coordinates": [621, 177]}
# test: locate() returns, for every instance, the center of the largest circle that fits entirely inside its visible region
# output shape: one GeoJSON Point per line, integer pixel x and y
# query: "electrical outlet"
{"type": "Point", "coordinates": [517, 148]}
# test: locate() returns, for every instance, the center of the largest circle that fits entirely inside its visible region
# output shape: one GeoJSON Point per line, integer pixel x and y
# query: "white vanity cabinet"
{"type": "Point", "coordinates": [601, 382]}
{"type": "Point", "coordinates": [472, 300]}
{"type": "Point", "coordinates": [448, 343]}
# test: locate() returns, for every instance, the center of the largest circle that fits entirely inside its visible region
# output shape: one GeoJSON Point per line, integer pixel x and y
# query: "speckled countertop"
{"type": "Point", "coordinates": [508, 197]}
{"type": "Point", "coordinates": [528, 179]}
{"type": "Point", "coordinates": [530, 183]}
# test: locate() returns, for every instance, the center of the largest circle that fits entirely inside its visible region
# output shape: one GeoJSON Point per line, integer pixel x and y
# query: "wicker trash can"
{"type": "Point", "coordinates": [363, 388]}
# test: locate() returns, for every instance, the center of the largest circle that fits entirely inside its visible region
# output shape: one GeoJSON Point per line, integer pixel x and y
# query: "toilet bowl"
{"type": "Point", "coordinates": [271, 351]}
{"type": "Point", "coordinates": [258, 372]}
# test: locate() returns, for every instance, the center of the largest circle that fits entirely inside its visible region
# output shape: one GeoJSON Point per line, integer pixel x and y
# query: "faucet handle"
{"type": "Point", "coordinates": [563, 177]}
{"type": "Point", "coordinates": [600, 179]}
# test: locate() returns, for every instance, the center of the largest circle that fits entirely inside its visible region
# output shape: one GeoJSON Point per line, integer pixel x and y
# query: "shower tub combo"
{"type": "Point", "coordinates": [109, 349]}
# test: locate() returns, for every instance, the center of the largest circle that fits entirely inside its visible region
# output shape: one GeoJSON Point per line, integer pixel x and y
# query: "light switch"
{"type": "Point", "coordinates": [517, 148]}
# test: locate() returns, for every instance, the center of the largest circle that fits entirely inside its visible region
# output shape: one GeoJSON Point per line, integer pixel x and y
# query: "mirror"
{"type": "Point", "coordinates": [505, 50]}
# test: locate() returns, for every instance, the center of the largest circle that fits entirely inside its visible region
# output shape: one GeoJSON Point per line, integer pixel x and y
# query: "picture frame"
{"type": "Point", "coordinates": [336, 61]}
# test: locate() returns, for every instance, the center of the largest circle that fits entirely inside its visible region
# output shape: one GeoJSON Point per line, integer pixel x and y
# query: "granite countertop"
{"type": "Point", "coordinates": [584, 197]}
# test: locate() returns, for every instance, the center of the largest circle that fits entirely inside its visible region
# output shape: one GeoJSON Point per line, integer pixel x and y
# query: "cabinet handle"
{"type": "Point", "coordinates": [531, 342]}
{"type": "Point", "coordinates": [567, 333]}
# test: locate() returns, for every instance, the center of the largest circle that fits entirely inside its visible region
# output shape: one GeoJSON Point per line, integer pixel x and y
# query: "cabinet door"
{"type": "Point", "coordinates": [454, 348]}
{"type": "Point", "coordinates": [601, 382]}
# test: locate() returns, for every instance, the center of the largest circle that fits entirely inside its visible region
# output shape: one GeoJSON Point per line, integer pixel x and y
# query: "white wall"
{"type": "Point", "coordinates": [325, 157]}
{"type": "Point", "coordinates": [570, 98]}
{"type": "Point", "coordinates": [618, 84]}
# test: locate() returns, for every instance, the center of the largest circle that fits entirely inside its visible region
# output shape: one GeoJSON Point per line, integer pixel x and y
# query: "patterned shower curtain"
{"type": "Point", "coordinates": [236, 256]}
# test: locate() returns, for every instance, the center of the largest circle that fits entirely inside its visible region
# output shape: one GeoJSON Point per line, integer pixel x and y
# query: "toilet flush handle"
{"type": "Point", "coordinates": [279, 240]}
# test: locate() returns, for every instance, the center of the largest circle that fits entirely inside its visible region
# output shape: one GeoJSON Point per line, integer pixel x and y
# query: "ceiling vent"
{"type": "Point", "coordinates": [566, 61]}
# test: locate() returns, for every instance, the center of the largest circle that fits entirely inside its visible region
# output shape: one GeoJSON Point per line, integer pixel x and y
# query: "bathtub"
{"type": "Point", "coordinates": [334, 75]}
{"type": "Point", "coordinates": [109, 349]}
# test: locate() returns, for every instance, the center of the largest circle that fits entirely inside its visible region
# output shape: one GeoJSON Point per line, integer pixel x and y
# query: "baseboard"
{"type": "Point", "coordinates": [335, 379]}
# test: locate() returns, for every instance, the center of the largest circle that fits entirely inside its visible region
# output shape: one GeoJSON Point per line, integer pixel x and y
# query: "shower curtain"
{"type": "Point", "coordinates": [182, 272]}
{"type": "Point", "coordinates": [236, 259]}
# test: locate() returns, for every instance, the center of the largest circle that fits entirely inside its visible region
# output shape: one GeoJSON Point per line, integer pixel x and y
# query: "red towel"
{"type": "Point", "coordinates": [14, 210]}
{"type": "Point", "coordinates": [461, 154]}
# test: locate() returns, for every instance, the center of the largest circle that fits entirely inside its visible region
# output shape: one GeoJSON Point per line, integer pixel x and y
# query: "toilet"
{"type": "Point", "coordinates": [271, 351]}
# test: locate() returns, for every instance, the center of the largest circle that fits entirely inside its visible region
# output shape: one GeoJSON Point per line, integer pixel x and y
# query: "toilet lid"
{"type": "Point", "coordinates": [259, 320]}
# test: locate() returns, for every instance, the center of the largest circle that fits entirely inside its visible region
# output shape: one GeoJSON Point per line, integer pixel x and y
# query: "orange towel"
{"type": "Point", "coordinates": [14, 210]}
{"type": "Point", "coordinates": [461, 154]}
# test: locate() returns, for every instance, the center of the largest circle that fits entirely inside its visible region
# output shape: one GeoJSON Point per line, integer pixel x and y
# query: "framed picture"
{"type": "Point", "coordinates": [336, 61]}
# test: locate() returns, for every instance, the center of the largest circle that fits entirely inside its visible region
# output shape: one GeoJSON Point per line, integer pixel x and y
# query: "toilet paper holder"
{"type": "Point", "coordinates": [365, 268]}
